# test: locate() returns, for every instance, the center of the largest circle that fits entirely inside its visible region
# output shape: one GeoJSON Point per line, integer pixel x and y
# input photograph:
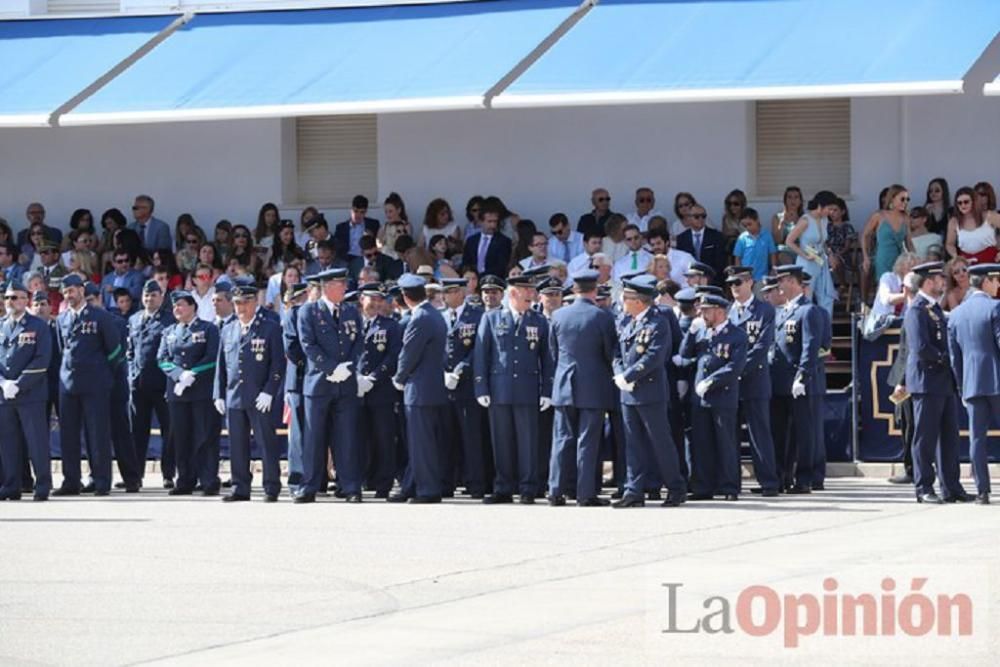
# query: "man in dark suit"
{"type": "Point", "coordinates": [348, 234]}
{"type": "Point", "coordinates": [488, 250]}
{"type": "Point", "coordinates": [704, 243]}
{"type": "Point", "coordinates": [386, 267]}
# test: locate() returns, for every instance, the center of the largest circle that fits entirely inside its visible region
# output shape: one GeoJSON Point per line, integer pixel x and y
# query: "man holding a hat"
{"type": "Point", "coordinates": [90, 344]}
{"type": "Point", "coordinates": [188, 354]}
{"type": "Point", "coordinates": [248, 377]}
{"type": "Point", "coordinates": [974, 346]}
{"type": "Point", "coordinates": [719, 351]}
{"type": "Point", "coordinates": [25, 351]}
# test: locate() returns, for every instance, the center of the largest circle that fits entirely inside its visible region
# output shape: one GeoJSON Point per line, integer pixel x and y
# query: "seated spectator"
{"type": "Point", "coordinates": [203, 290]}
{"type": "Point", "coordinates": [523, 234]}
{"type": "Point", "coordinates": [972, 232]}
{"type": "Point", "coordinates": [81, 220]}
{"type": "Point", "coordinates": [184, 228]}
{"type": "Point", "coordinates": [613, 244]}
{"type": "Point", "coordinates": [326, 258]}
{"type": "Point", "coordinates": [111, 221]}
{"type": "Point", "coordinates": [564, 244]}
{"type": "Point", "coordinates": [599, 215]}
{"type": "Point", "coordinates": [923, 239]}
{"type": "Point", "coordinates": [164, 259]}
{"type": "Point", "coordinates": [9, 268]}
{"type": "Point", "coordinates": [841, 241]}
{"type": "Point", "coordinates": [187, 257]}
{"type": "Point", "coordinates": [35, 215]}
{"type": "Point", "coordinates": [680, 261]}
{"type": "Point", "coordinates": [84, 263]}
{"type": "Point", "coordinates": [539, 248]}
{"type": "Point", "coordinates": [645, 208]}
{"type": "Point", "coordinates": [414, 256]}
{"type": "Point", "coordinates": [153, 233]}
{"type": "Point", "coordinates": [956, 274]}
{"type": "Point", "coordinates": [660, 267]}
{"type": "Point", "coordinates": [210, 257]}
{"type": "Point", "coordinates": [472, 208]}
{"type": "Point", "coordinates": [7, 236]}
{"type": "Point", "coordinates": [387, 268]}
{"type": "Point", "coordinates": [591, 246]}
{"type": "Point", "coordinates": [284, 247]}
{"type": "Point", "coordinates": [683, 201]}
{"type": "Point", "coordinates": [391, 231]}
{"type": "Point", "coordinates": [636, 257]}
{"type": "Point", "coordinates": [754, 247]}
{"type": "Point", "coordinates": [278, 286]}
{"type": "Point", "coordinates": [30, 250]}
{"type": "Point", "coordinates": [124, 241]}
{"type": "Point", "coordinates": [889, 297]}
{"type": "Point", "coordinates": [49, 266]}
{"type": "Point", "coordinates": [560, 272]}
{"type": "Point", "coordinates": [222, 238]}
{"type": "Point", "coordinates": [439, 251]}
{"type": "Point", "coordinates": [439, 220]}
{"type": "Point", "coordinates": [602, 265]}
{"type": "Point", "coordinates": [243, 252]}
{"type": "Point", "coordinates": [83, 241]}
{"type": "Point", "coordinates": [122, 275]}
{"type": "Point", "coordinates": [268, 219]}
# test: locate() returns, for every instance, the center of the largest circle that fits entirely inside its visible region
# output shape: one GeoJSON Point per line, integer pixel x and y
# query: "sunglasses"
{"type": "Point", "coordinates": [11, 297]}
{"type": "Point", "coordinates": [370, 255]}
{"type": "Point", "coordinates": [121, 261]}
{"type": "Point", "coordinates": [204, 277]}
{"type": "Point", "coordinates": [604, 199]}
{"type": "Point", "coordinates": [699, 216]}
{"type": "Point", "coordinates": [964, 202]}
{"type": "Point", "coordinates": [736, 282]}
{"type": "Point", "coordinates": [644, 200]}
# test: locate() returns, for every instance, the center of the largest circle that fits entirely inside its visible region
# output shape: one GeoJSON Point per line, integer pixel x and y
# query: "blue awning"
{"type": "Point", "coordinates": [632, 51]}
{"type": "Point", "coordinates": [44, 63]}
{"type": "Point", "coordinates": [306, 62]}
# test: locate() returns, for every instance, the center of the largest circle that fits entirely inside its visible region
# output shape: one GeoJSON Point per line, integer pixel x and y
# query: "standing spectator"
{"type": "Point", "coordinates": [921, 236]}
{"type": "Point", "coordinates": [395, 216]}
{"type": "Point", "coordinates": [308, 213]}
{"type": "Point", "coordinates": [784, 221]}
{"type": "Point", "coordinates": [439, 220]}
{"type": "Point", "coordinates": [938, 205]}
{"type": "Point", "coordinates": [184, 228]}
{"type": "Point", "coordinates": [683, 201]}
{"type": "Point", "coordinates": [808, 241]}
{"type": "Point", "coordinates": [613, 244]}
{"type": "Point", "coordinates": [35, 215]}
{"type": "Point", "coordinates": [598, 217]}
{"type": "Point", "coordinates": [732, 218]}
{"type": "Point", "coordinates": [645, 208]}
{"type": "Point", "coordinates": [153, 232]}
{"type": "Point", "coordinates": [972, 231]}
{"type": "Point", "coordinates": [636, 258]}
{"type": "Point", "coordinates": [842, 239]}
{"type": "Point", "coordinates": [347, 235]}
{"type": "Point", "coordinates": [891, 228]}
{"type": "Point", "coordinates": [703, 243]}
{"type": "Point", "coordinates": [754, 247]}
{"type": "Point", "coordinates": [564, 244]}
{"type": "Point", "coordinates": [956, 273]}
{"type": "Point", "coordinates": [487, 250]}
{"type": "Point", "coordinates": [508, 219]}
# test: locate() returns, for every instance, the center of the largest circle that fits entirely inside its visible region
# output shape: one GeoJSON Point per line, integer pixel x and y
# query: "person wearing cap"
{"type": "Point", "coordinates": [818, 398]}
{"type": "Point", "coordinates": [974, 349]}
{"type": "Point", "coordinates": [677, 376]}
{"type": "Point", "coordinates": [223, 313]}
{"type": "Point", "coordinates": [332, 339]}
{"type": "Point", "coordinates": [294, 375]}
{"type": "Point", "coordinates": [248, 376]}
{"type": "Point", "coordinates": [188, 354]}
{"type": "Point", "coordinates": [756, 318]}
{"type": "Point", "coordinates": [319, 232]}
{"type": "Point", "coordinates": [720, 353]}
{"type": "Point", "coordinates": [42, 309]}
{"type": "Point", "coordinates": [465, 420]}
{"type": "Point", "coordinates": [582, 339]}
{"type": "Point", "coordinates": [25, 353]}
{"type": "Point", "coordinates": [383, 339]}
{"type": "Point", "coordinates": [795, 380]}
{"type": "Point", "coordinates": [550, 292]}
{"type": "Point", "coordinates": [691, 323]}
{"type": "Point", "coordinates": [146, 381]}
{"type": "Point", "coordinates": [513, 380]}
{"type": "Point", "coordinates": [420, 376]}
{"type": "Point", "coordinates": [808, 241]}
{"type": "Point", "coordinates": [492, 289]}
{"type": "Point", "coordinates": [932, 385]}
{"type": "Point", "coordinates": [699, 274]}
{"type": "Point", "coordinates": [641, 375]}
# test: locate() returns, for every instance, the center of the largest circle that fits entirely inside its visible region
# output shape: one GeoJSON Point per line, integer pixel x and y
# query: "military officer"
{"type": "Point", "coordinates": [819, 396]}
{"type": "Point", "coordinates": [492, 288]}
{"type": "Point", "coordinates": [795, 379]}
{"type": "Point", "coordinates": [550, 292]}
{"type": "Point", "coordinates": [189, 351]}
{"type": "Point", "coordinates": [720, 352]}
{"type": "Point", "coordinates": [25, 351]}
{"type": "Point", "coordinates": [147, 383]}
{"type": "Point", "coordinates": [294, 376]}
{"type": "Point", "coordinates": [756, 318]}
{"type": "Point", "coordinates": [974, 347]}
{"type": "Point", "coordinates": [420, 376]}
{"type": "Point", "coordinates": [699, 274]}
{"type": "Point", "coordinates": [383, 339]}
{"type": "Point", "coordinates": [248, 376]}
{"type": "Point", "coordinates": [89, 343]}
{"type": "Point", "coordinates": [222, 303]}
{"type": "Point", "coordinates": [641, 375]}
{"type": "Point", "coordinates": [465, 417]}
{"type": "Point", "coordinates": [582, 340]}
{"type": "Point", "coordinates": [513, 371]}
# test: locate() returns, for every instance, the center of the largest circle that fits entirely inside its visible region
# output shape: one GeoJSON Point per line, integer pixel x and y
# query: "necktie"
{"type": "Point", "coordinates": [454, 318]}
{"type": "Point", "coordinates": [484, 245]}
{"type": "Point", "coordinates": [565, 251]}
{"type": "Point", "coordinates": [635, 261]}
{"type": "Point", "coordinates": [368, 325]}
{"type": "Point", "coordinates": [697, 245]}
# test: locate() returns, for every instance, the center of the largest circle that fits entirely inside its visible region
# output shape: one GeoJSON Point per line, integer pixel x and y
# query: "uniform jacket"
{"type": "Point", "coordinates": [25, 353]}
{"type": "Point", "coordinates": [582, 341]}
{"type": "Point", "coordinates": [720, 360]}
{"type": "Point", "coordinates": [512, 364]}
{"type": "Point", "coordinates": [459, 351]}
{"type": "Point", "coordinates": [974, 345]}
{"type": "Point", "coordinates": [798, 336]}
{"type": "Point", "coordinates": [387, 267]}
{"type": "Point", "coordinates": [644, 350]}
{"type": "Point", "coordinates": [141, 348]}
{"type": "Point", "coordinates": [757, 322]}
{"type": "Point", "coordinates": [89, 345]}
{"type": "Point", "coordinates": [328, 342]}
{"type": "Point", "coordinates": [295, 368]}
{"type": "Point", "coordinates": [928, 367]}
{"type": "Point", "coordinates": [383, 341]}
{"type": "Point", "coordinates": [421, 360]}
{"type": "Point", "coordinates": [249, 363]}
{"type": "Point", "coordinates": [192, 347]}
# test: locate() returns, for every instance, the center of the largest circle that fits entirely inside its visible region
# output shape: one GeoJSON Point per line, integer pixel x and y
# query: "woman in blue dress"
{"type": "Point", "coordinates": [808, 241]}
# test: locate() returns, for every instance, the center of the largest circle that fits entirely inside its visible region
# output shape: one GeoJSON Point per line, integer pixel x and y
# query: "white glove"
{"type": "Point", "coordinates": [188, 378]}
{"type": "Point", "coordinates": [798, 389]}
{"type": "Point", "coordinates": [179, 388]}
{"type": "Point", "coordinates": [341, 372]}
{"type": "Point", "coordinates": [702, 387]}
{"type": "Point", "coordinates": [220, 406]}
{"type": "Point", "coordinates": [451, 380]}
{"type": "Point", "coordinates": [622, 384]}
{"type": "Point", "coordinates": [10, 389]}
{"type": "Point", "coordinates": [365, 384]}
{"type": "Point", "coordinates": [682, 388]}
{"type": "Point", "coordinates": [398, 386]}
{"type": "Point", "coordinates": [544, 403]}
{"type": "Point", "coordinates": [484, 401]}
{"type": "Point", "coordinates": [263, 402]}
{"type": "Point", "coordinates": [288, 398]}
{"type": "Point", "coordinates": [677, 360]}
{"type": "Point", "coordinates": [697, 324]}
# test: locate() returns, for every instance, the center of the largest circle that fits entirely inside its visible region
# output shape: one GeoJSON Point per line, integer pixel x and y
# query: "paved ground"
{"type": "Point", "coordinates": [191, 581]}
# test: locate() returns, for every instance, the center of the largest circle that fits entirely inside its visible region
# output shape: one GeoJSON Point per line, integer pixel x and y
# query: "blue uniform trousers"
{"type": "Point", "coordinates": [24, 427]}
{"type": "Point", "coordinates": [464, 426]}
{"type": "Point", "coordinates": [755, 413]}
{"type": "Point", "coordinates": [715, 451]}
{"type": "Point", "coordinates": [191, 428]}
{"type": "Point", "coordinates": [331, 423]}
{"type": "Point", "coordinates": [240, 424]}
{"type": "Point", "coordinates": [576, 430]}
{"type": "Point", "coordinates": [378, 428]}
{"type": "Point", "coordinates": [297, 412]}
{"type": "Point", "coordinates": [819, 453]}
{"type": "Point", "coordinates": [616, 440]}
{"type": "Point", "coordinates": [650, 451]}
{"type": "Point", "coordinates": [676, 416]}
{"type": "Point", "coordinates": [982, 414]}
{"type": "Point", "coordinates": [545, 423]}
{"type": "Point", "coordinates": [142, 406]}
{"type": "Point", "coordinates": [90, 412]}
{"type": "Point", "coordinates": [425, 441]}
{"type": "Point", "coordinates": [935, 435]}
{"type": "Point", "coordinates": [514, 433]}
{"type": "Point", "coordinates": [794, 439]}
{"type": "Point", "coordinates": [121, 438]}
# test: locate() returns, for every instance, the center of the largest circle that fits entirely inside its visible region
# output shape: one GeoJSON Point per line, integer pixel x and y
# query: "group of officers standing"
{"type": "Point", "coordinates": [520, 390]}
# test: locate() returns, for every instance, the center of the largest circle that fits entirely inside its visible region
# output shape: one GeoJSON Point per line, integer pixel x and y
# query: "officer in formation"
{"type": "Point", "coordinates": [295, 368]}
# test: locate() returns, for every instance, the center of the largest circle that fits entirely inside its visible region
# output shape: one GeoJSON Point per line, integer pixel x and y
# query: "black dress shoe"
{"type": "Point", "coordinates": [119, 485]}
{"type": "Point", "coordinates": [353, 498]}
{"type": "Point", "coordinates": [959, 498]}
{"type": "Point", "coordinates": [498, 499]}
{"type": "Point", "coordinates": [799, 490]}
{"type": "Point", "coordinates": [303, 498]}
{"type": "Point", "coordinates": [674, 500]}
{"type": "Point", "coordinates": [66, 491]}
{"type": "Point", "coordinates": [617, 495]}
{"type": "Point", "coordinates": [983, 499]}
{"type": "Point", "coordinates": [10, 495]}
{"type": "Point", "coordinates": [476, 496]}
{"type": "Point", "coordinates": [448, 494]}
{"type": "Point", "coordinates": [381, 495]}
{"type": "Point", "coordinates": [929, 498]}
{"type": "Point", "coordinates": [168, 484]}
{"type": "Point", "coordinates": [818, 486]}
{"type": "Point", "coordinates": [27, 488]}
{"type": "Point", "coordinates": [212, 491]}
{"type": "Point", "coordinates": [228, 484]}
{"type": "Point", "coordinates": [88, 488]}
{"type": "Point", "coordinates": [270, 497]}
{"type": "Point", "coordinates": [557, 501]}
{"type": "Point", "coordinates": [397, 498]}
{"type": "Point", "coordinates": [629, 501]}
{"type": "Point", "coordinates": [425, 500]}
{"type": "Point", "coordinates": [769, 493]}
{"type": "Point", "coordinates": [902, 478]}
{"type": "Point", "coordinates": [653, 495]}
{"type": "Point", "coordinates": [526, 499]}
{"type": "Point", "coordinates": [731, 497]}
{"type": "Point", "coordinates": [132, 488]}
{"type": "Point", "coordinates": [102, 492]}
{"type": "Point", "coordinates": [178, 491]}
{"type": "Point", "coordinates": [700, 496]}
{"type": "Point", "coordinates": [593, 502]}
{"type": "Point", "coordinates": [233, 498]}
{"type": "Point", "coordinates": [40, 497]}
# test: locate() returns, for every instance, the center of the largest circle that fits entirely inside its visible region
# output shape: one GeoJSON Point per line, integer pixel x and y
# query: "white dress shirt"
{"type": "Point", "coordinates": [642, 221]}
{"type": "Point", "coordinates": [624, 265]}
{"type": "Point", "coordinates": [206, 309]}
{"type": "Point", "coordinates": [558, 248]}
{"type": "Point", "coordinates": [680, 262]}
